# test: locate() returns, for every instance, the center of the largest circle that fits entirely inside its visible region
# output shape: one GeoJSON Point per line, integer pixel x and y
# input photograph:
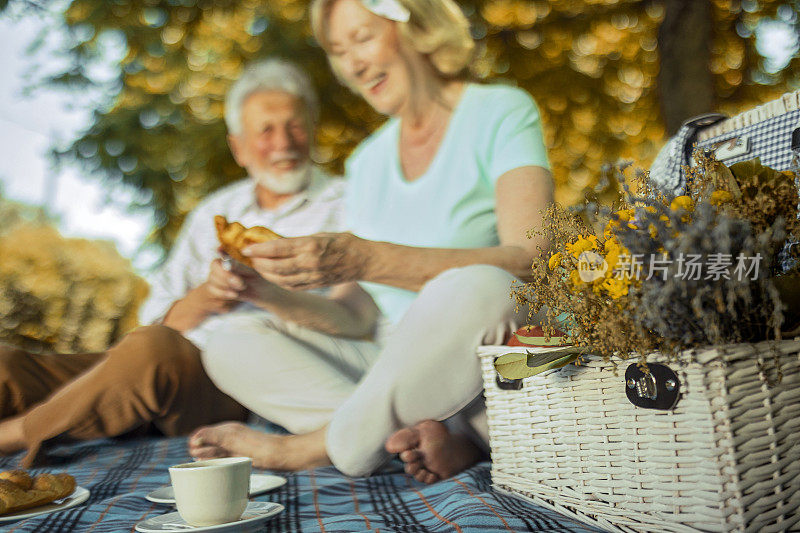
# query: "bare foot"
{"type": "Point", "coordinates": [273, 452]}
{"type": "Point", "coordinates": [12, 439]}
{"type": "Point", "coordinates": [431, 452]}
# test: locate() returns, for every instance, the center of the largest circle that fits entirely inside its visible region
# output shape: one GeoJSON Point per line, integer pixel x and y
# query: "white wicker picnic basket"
{"type": "Point", "coordinates": [726, 457]}
{"type": "Point", "coordinates": [711, 445]}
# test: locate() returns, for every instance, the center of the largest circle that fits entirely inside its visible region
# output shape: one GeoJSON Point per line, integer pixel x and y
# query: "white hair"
{"type": "Point", "coordinates": [269, 75]}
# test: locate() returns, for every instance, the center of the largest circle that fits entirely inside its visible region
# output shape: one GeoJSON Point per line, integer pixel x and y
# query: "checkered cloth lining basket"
{"type": "Point", "coordinates": [764, 132]}
{"type": "Point", "coordinates": [726, 458]}
{"type": "Point", "coordinates": [770, 132]}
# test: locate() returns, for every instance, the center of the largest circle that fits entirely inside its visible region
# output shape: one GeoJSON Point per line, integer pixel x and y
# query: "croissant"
{"type": "Point", "coordinates": [234, 237]}
{"type": "Point", "coordinates": [18, 491]}
{"type": "Point", "coordinates": [19, 477]}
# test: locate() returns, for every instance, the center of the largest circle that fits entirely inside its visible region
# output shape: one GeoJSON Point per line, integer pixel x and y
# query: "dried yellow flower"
{"type": "Point", "coordinates": [623, 216]}
{"type": "Point", "coordinates": [682, 202]}
{"type": "Point", "coordinates": [616, 287]}
{"type": "Point", "coordinates": [720, 197]}
{"type": "Point", "coordinates": [583, 244]}
{"type": "Point", "coordinates": [613, 252]}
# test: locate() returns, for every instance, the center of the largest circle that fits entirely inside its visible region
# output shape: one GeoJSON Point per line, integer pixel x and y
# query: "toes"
{"type": "Point", "coordinates": [413, 468]}
{"type": "Point", "coordinates": [430, 478]}
{"type": "Point", "coordinates": [410, 456]}
{"type": "Point", "coordinates": [214, 435]}
{"type": "Point", "coordinates": [208, 452]}
{"type": "Point", "coordinates": [405, 439]}
{"type": "Point", "coordinates": [200, 437]}
{"type": "Point", "coordinates": [418, 472]}
{"type": "Point", "coordinates": [424, 476]}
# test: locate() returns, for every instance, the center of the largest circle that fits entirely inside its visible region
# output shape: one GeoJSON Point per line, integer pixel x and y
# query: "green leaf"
{"type": "Point", "coordinates": [542, 341]}
{"type": "Point", "coordinates": [524, 365]}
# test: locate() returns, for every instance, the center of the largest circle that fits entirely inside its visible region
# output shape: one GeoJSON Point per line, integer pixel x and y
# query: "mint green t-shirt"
{"type": "Point", "coordinates": [493, 129]}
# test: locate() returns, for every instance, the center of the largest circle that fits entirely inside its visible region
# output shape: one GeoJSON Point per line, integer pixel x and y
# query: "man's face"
{"type": "Point", "coordinates": [274, 142]}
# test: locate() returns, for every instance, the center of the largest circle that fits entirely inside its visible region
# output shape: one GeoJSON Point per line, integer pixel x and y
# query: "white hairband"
{"type": "Point", "coordinates": [390, 9]}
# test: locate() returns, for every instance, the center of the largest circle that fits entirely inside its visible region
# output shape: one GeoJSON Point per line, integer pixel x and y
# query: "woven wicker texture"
{"type": "Point", "coordinates": [727, 458]}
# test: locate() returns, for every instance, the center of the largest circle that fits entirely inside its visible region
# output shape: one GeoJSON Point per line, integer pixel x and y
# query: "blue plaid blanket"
{"type": "Point", "coordinates": [119, 473]}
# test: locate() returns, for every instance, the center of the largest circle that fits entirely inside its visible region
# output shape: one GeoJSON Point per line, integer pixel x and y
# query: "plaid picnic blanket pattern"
{"type": "Point", "coordinates": [119, 473]}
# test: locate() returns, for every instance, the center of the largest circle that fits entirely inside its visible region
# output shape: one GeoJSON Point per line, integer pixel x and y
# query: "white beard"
{"type": "Point", "coordinates": [290, 182]}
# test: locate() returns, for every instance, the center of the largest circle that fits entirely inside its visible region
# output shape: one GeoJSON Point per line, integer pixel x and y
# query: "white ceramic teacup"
{"type": "Point", "coordinates": [212, 492]}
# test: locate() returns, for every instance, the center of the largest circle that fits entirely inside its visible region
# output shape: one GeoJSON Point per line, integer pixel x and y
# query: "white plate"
{"type": "Point", "coordinates": [76, 498]}
{"type": "Point", "coordinates": [259, 484]}
{"type": "Point", "coordinates": [255, 514]}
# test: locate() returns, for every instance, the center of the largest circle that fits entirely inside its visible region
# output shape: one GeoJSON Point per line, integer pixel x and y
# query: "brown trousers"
{"type": "Point", "coordinates": [154, 375]}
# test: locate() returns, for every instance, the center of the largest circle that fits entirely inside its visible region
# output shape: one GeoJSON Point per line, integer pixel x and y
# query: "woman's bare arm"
{"type": "Point", "coordinates": [327, 259]}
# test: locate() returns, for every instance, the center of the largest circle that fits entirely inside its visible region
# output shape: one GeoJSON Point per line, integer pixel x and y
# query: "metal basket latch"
{"type": "Point", "coordinates": [660, 388]}
{"type": "Point", "coordinates": [507, 384]}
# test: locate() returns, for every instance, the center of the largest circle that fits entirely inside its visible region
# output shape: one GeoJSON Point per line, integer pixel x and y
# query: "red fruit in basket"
{"type": "Point", "coordinates": [535, 336]}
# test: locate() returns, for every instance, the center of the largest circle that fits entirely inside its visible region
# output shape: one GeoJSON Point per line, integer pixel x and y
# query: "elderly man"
{"type": "Point", "coordinates": [154, 375]}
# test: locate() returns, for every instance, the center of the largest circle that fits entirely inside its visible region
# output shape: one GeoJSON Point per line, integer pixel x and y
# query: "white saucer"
{"type": "Point", "coordinates": [259, 484]}
{"type": "Point", "coordinates": [76, 498]}
{"type": "Point", "coordinates": [255, 514]}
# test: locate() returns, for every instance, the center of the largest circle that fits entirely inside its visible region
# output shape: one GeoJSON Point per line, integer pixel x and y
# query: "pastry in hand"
{"type": "Point", "coordinates": [234, 237]}
{"type": "Point", "coordinates": [28, 493]}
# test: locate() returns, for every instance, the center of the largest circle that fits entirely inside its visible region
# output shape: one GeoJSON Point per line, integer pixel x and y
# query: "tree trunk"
{"type": "Point", "coordinates": [685, 82]}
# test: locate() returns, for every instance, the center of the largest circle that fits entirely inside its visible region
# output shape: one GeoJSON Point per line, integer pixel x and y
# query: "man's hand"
{"type": "Point", "coordinates": [219, 294]}
{"type": "Point", "coordinates": [310, 262]}
{"type": "Point", "coordinates": [221, 290]}
{"type": "Point", "coordinates": [255, 289]}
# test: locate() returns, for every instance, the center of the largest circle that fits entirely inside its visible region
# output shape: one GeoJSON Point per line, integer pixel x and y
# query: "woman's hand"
{"type": "Point", "coordinates": [311, 262]}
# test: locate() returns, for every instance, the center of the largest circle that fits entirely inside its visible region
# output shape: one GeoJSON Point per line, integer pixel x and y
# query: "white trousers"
{"type": "Point", "coordinates": [424, 368]}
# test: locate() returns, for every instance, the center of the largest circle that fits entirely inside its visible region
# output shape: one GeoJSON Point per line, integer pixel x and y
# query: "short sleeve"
{"type": "Point", "coordinates": [516, 136]}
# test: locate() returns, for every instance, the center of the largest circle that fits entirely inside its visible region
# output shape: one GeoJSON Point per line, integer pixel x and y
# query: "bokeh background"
{"type": "Point", "coordinates": [111, 118]}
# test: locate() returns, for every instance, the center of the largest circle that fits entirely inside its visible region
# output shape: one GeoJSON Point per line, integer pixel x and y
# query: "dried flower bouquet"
{"type": "Point", "coordinates": [634, 272]}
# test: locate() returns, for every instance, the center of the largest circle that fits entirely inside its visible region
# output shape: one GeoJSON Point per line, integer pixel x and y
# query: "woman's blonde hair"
{"type": "Point", "coordinates": [436, 28]}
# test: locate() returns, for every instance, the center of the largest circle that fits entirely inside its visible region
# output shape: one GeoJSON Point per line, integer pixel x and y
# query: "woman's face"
{"type": "Point", "coordinates": [365, 49]}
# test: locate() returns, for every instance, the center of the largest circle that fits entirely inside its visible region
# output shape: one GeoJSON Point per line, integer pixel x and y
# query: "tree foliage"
{"type": "Point", "coordinates": [592, 65]}
{"type": "Point", "coordinates": [61, 294]}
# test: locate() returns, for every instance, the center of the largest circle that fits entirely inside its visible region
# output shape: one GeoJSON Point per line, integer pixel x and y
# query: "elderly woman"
{"type": "Point", "coordinates": [439, 201]}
